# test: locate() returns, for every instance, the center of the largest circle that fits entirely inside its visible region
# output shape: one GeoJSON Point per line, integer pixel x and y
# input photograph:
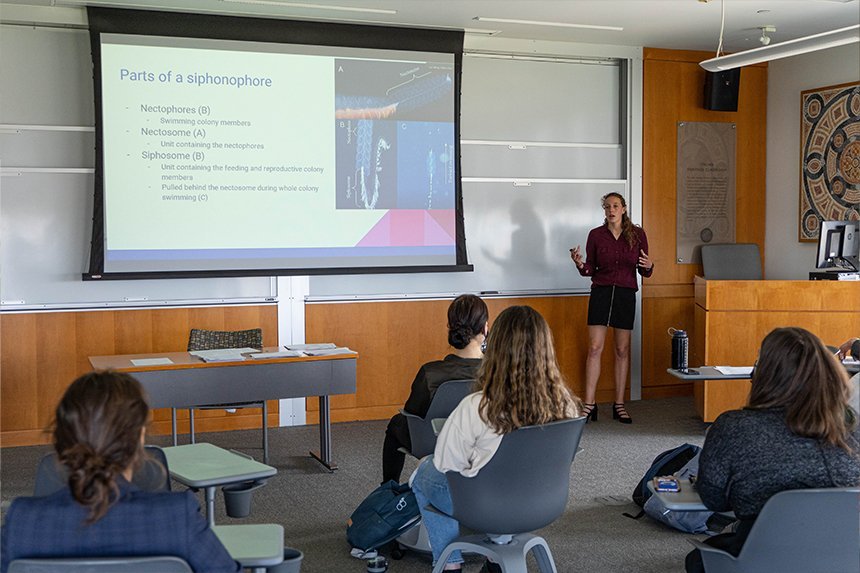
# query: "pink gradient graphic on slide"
{"type": "Point", "coordinates": [412, 228]}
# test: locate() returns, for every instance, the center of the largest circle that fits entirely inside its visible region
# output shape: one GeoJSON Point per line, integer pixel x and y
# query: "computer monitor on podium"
{"type": "Point", "coordinates": [838, 245]}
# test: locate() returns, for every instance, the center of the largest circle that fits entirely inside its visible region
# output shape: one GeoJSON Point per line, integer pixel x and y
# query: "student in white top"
{"type": "Point", "coordinates": [521, 385]}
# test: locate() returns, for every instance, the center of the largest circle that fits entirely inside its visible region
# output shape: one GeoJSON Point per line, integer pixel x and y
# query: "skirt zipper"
{"type": "Point", "coordinates": [611, 302]}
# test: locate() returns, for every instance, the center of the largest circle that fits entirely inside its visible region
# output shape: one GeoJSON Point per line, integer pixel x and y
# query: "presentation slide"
{"type": "Point", "coordinates": [235, 155]}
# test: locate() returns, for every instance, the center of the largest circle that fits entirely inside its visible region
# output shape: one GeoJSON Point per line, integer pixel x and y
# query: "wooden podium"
{"type": "Point", "coordinates": [733, 317]}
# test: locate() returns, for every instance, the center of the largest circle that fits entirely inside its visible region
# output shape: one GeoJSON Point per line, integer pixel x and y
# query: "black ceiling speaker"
{"type": "Point", "coordinates": [721, 90]}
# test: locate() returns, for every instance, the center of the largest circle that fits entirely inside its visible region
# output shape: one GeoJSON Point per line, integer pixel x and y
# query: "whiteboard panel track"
{"type": "Point", "coordinates": [515, 181]}
{"type": "Point", "coordinates": [18, 171]}
{"type": "Point", "coordinates": [527, 144]}
{"type": "Point", "coordinates": [18, 128]}
{"type": "Point", "coordinates": [130, 303]}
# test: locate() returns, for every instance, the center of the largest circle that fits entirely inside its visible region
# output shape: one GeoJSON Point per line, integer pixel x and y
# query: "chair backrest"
{"type": "Point", "coordinates": [805, 530]}
{"type": "Point", "coordinates": [731, 261]}
{"type": "Point", "coordinates": [201, 339]}
{"type": "Point", "coordinates": [448, 395]}
{"type": "Point", "coordinates": [166, 564]}
{"type": "Point", "coordinates": [52, 476]}
{"type": "Point", "coordinates": [525, 484]}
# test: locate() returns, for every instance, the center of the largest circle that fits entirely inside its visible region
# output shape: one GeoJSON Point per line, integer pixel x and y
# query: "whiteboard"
{"type": "Point", "coordinates": [541, 144]}
{"type": "Point", "coordinates": [45, 217]}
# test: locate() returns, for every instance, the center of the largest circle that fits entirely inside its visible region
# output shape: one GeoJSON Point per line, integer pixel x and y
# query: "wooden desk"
{"type": "Point", "coordinates": [733, 317]}
{"type": "Point", "coordinates": [189, 381]}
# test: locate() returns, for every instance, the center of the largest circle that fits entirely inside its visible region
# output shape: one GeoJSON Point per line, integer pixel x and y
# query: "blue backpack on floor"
{"type": "Point", "coordinates": [389, 511]}
{"type": "Point", "coordinates": [665, 464]}
{"type": "Point", "coordinates": [682, 462]}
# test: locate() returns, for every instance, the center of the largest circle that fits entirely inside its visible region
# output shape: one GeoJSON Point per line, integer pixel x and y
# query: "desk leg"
{"type": "Point", "coordinates": [324, 455]}
{"type": "Point", "coordinates": [173, 424]}
{"type": "Point", "coordinates": [210, 505]}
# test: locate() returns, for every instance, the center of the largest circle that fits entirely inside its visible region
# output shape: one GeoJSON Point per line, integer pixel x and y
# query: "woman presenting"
{"type": "Point", "coordinates": [614, 253]}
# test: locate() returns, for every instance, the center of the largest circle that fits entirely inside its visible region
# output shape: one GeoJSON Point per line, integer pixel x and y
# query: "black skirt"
{"type": "Point", "coordinates": [612, 306]}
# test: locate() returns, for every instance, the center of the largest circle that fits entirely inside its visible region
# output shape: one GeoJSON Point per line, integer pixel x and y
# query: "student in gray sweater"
{"type": "Point", "coordinates": [797, 431]}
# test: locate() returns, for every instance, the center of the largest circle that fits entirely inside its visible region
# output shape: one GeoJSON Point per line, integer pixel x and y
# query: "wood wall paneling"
{"type": "Point", "coordinates": [673, 92]}
{"type": "Point", "coordinates": [41, 353]}
{"type": "Point", "coordinates": [394, 339]}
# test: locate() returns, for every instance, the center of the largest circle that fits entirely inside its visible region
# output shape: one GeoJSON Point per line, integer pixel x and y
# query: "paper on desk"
{"type": "Point", "coordinates": [277, 354]}
{"type": "Point", "coordinates": [222, 354]}
{"type": "Point", "coordinates": [330, 351]}
{"type": "Point", "coordinates": [734, 370]}
{"type": "Point", "coordinates": [314, 346]}
{"type": "Point", "coordinates": [151, 361]}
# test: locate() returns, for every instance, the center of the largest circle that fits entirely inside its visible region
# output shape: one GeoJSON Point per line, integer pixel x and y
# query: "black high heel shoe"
{"type": "Point", "coordinates": [590, 412]}
{"type": "Point", "coordinates": [620, 413]}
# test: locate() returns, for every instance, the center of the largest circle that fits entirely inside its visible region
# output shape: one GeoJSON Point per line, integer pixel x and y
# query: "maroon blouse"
{"type": "Point", "coordinates": [610, 261]}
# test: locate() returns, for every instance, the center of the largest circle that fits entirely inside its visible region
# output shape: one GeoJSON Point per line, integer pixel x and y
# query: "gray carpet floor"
{"type": "Point", "coordinates": [313, 505]}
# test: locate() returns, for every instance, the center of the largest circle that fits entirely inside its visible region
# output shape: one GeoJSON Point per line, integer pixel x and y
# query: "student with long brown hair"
{"type": "Point", "coordinates": [98, 434]}
{"type": "Point", "coordinates": [796, 431]}
{"type": "Point", "coordinates": [520, 385]}
{"type": "Point", "coordinates": [614, 253]}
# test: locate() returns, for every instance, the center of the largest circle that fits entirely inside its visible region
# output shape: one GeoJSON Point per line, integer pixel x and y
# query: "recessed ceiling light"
{"type": "Point", "coordinates": [541, 23]}
{"type": "Point", "coordinates": [311, 6]}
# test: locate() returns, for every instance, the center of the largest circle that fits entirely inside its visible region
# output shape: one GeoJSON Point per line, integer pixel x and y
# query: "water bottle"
{"type": "Point", "coordinates": [680, 349]}
{"type": "Point", "coordinates": [378, 564]}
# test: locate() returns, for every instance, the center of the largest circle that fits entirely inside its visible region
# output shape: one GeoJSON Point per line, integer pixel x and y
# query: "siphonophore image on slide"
{"type": "Point", "coordinates": [394, 137]}
{"type": "Point", "coordinates": [366, 164]}
{"type": "Point", "coordinates": [425, 165]}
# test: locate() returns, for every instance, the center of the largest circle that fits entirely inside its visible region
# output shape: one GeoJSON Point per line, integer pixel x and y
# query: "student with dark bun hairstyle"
{"type": "Point", "coordinates": [98, 434]}
{"type": "Point", "coordinates": [467, 328]}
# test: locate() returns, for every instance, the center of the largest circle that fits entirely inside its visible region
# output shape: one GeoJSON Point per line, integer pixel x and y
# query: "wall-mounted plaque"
{"type": "Point", "coordinates": [705, 192]}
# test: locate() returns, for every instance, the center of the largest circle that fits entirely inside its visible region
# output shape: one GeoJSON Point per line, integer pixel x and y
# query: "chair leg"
{"type": "Point", "coordinates": [191, 424]}
{"type": "Point", "coordinates": [265, 432]}
{"type": "Point", "coordinates": [542, 554]}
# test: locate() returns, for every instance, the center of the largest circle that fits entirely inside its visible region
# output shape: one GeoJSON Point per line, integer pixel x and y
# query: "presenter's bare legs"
{"type": "Point", "coordinates": [622, 366]}
{"type": "Point", "coordinates": [596, 339]}
{"type": "Point", "coordinates": [622, 362]}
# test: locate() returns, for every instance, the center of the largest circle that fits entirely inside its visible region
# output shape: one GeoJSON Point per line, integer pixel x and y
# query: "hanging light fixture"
{"type": "Point", "coordinates": [832, 39]}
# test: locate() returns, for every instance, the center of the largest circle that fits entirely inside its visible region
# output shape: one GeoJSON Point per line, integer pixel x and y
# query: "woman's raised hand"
{"type": "Point", "coordinates": [644, 260]}
{"type": "Point", "coordinates": [576, 255]}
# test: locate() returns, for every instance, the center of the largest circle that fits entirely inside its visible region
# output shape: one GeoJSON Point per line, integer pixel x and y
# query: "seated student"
{"type": "Point", "coordinates": [467, 330]}
{"type": "Point", "coordinates": [796, 432]}
{"type": "Point", "coordinates": [521, 385]}
{"type": "Point", "coordinates": [98, 435]}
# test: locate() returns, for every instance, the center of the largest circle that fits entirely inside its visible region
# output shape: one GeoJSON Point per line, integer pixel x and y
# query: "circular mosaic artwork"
{"type": "Point", "coordinates": [830, 172]}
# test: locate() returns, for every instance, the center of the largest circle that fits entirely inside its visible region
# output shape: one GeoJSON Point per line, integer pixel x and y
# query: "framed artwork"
{"type": "Point", "coordinates": [829, 157]}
